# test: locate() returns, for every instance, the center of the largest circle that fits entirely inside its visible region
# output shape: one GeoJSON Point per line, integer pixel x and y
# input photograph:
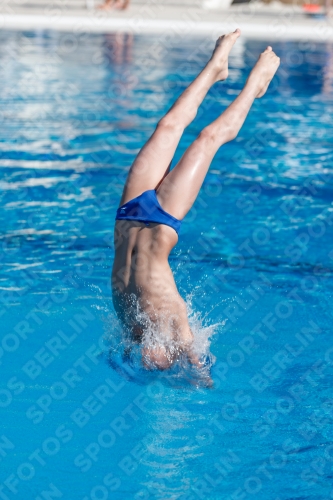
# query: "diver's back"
{"type": "Point", "coordinates": [145, 294]}
{"type": "Point", "coordinates": [141, 256]}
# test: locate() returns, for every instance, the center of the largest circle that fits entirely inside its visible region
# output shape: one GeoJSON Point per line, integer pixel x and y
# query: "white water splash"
{"type": "Point", "coordinates": [125, 356]}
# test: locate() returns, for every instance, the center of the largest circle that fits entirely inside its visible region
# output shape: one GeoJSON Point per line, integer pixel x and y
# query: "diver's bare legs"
{"type": "Point", "coordinates": [152, 163]}
{"type": "Point", "coordinates": [180, 188]}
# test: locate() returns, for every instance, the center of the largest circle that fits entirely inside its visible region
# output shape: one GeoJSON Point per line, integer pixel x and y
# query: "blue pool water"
{"type": "Point", "coordinates": [254, 262]}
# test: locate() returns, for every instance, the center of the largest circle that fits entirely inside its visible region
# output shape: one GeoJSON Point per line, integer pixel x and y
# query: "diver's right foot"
{"type": "Point", "coordinates": [263, 71]}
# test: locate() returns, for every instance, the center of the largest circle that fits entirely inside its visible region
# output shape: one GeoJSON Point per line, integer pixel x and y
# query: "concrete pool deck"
{"type": "Point", "coordinates": [282, 22]}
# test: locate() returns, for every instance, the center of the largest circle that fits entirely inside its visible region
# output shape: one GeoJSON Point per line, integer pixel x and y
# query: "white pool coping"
{"type": "Point", "coordinates": [279, 27]}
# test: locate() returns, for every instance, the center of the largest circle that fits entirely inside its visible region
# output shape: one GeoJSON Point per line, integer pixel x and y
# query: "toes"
{"type": "Point", "coordinates": [267, 50]}
{"type": "Point", "coordinates": [236, 33]}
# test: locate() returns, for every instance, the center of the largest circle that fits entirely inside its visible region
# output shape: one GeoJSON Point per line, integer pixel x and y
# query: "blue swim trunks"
{"type": "Point", "coordinates": [146, 208]}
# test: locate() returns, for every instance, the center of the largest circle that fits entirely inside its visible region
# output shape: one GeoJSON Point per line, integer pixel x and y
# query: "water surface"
{"type": "Point", "coordinates": [254, 259]}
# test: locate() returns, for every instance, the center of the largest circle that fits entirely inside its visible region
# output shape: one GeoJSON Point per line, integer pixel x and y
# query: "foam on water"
{"type": "Point", "coordinates": [125, 355]}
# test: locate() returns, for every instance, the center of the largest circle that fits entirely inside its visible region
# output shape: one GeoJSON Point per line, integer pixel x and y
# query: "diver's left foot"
{"type": "Point", "coordinates": [221, 53]}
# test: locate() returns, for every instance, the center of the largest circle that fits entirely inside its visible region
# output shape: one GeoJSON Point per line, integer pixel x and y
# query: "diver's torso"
{"type": "Point", "coordinates": [141, 275]}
